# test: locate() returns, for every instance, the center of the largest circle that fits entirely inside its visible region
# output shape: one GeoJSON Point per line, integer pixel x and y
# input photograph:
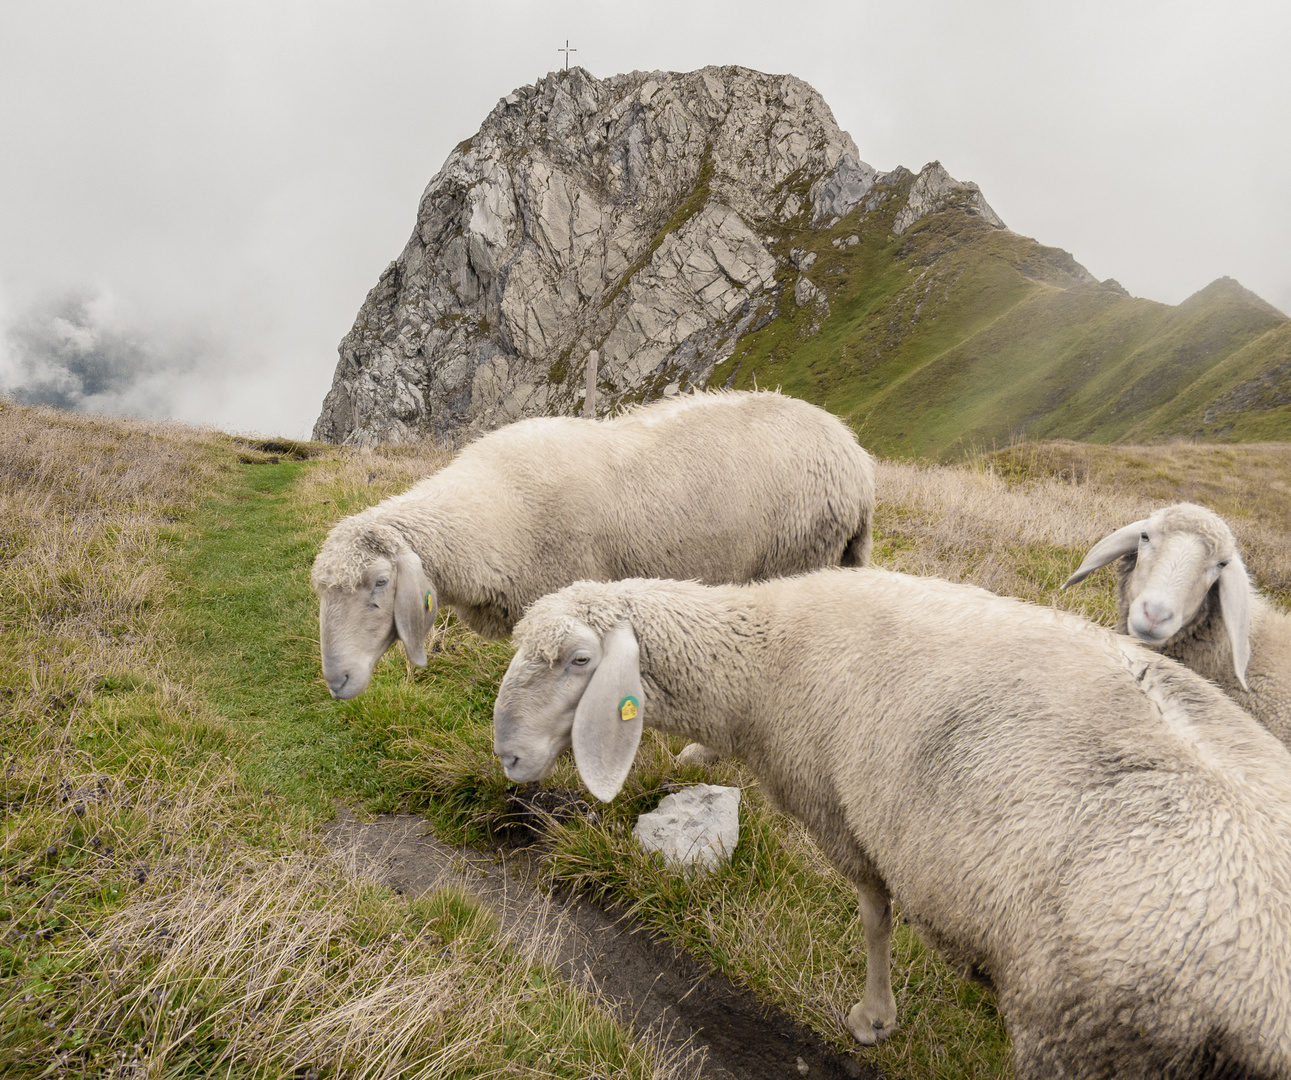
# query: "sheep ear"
{"type": "Point", "coordinates": [1123, 541]}
{"type": "Point", "coordinates": [607, 723]}
{"type": "Point", "coordinates": [1235, 604]}
{"type": "Point", "coordinates": [415, 604]}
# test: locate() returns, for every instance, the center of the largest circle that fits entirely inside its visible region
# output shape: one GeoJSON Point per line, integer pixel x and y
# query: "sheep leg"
{"type": "Point", "coordinates": [874, 1017]}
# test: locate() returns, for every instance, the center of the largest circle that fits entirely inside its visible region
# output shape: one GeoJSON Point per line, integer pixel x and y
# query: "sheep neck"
{"type": "Point", "coordinates": [699, 673]}
{"type": "Point", "coordinates": [453, 562]}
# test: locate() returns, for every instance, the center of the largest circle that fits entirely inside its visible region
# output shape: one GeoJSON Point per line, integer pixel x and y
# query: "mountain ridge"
{"type": "Point", "coordinates": [717, 228]}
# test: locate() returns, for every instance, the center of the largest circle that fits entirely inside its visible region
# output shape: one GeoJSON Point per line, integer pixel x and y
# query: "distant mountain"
{"type": "Point", "coordinates": [956, 335]}
{"type": "Point", "coordinates": [718, 228]}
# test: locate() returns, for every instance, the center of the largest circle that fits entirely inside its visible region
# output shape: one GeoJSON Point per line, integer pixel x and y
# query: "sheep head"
{"type": "Point", "coordinates": [377, 594]}
{"type": "Point", "coordinates": [583, 690]}
{"type": "Point", "coordinates": [1180, 554]}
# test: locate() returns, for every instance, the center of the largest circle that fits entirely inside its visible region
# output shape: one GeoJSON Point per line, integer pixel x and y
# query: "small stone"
{"type": "Point", "coordinates": [697, 825]}
{"type": "Point", "coordinates": [804, 292]}
{"type": "Point", "coordinates": [803, 260]}
{"type": "Point", "coordinates": [803, 1067]}
{"type": "Point", "coordinates": [696, 754]}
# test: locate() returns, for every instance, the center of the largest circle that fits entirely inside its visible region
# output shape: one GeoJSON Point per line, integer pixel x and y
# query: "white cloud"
{"type": "Point", "coordinates": [74, 351]}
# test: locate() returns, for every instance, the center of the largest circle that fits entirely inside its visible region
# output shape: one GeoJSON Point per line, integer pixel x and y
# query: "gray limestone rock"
{"type": "Point", "coordinates": [838, 194]}
{"type": "Point", "coordinates": [698, 825]}
{"type": "Point", "coordinates": [635, 215]}
{"type": "Point", "coordinates": [804, 292]}
{"type": "Point", "coordinates": [933, 189]}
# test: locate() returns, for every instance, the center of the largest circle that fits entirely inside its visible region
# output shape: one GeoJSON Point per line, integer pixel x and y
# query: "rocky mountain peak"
{"type": "Point", "coordinates": [645, 216]}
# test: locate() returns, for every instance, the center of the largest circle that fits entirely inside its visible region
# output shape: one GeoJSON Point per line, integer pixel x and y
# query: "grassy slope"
{"type": "Point", "coordinates": [165, 906]}
{"type": "Point", "coordinates": [958, 336]}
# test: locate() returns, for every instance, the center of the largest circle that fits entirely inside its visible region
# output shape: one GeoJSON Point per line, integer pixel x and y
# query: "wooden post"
{"type": "Point", "coordinates": [589, 402]}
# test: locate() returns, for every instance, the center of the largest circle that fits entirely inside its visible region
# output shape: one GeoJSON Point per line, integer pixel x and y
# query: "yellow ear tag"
{"type": "Point", "coordinates": [628, 708]}
{"type": "Point", "coordinates": [430, 599]}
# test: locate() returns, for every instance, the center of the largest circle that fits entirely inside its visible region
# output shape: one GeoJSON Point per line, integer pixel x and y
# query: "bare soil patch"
{"type": "Point", "coordinates": [661, 993]}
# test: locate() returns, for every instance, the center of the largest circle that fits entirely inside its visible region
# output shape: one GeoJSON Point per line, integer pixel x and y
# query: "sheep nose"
{"type": "Point", "coordinates": [1157, 612]}
{"type": "Point", "coordinates": [336, 683]}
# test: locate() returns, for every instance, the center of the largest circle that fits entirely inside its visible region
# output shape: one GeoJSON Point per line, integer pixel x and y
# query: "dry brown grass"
{"type": "Point", "coordinates": [1249, 485]}
{"type": "Point", "coordinates": [292, 967]}
{"type": "Point", "coordinates": [84, 504]}
{"type": "Point", "coordinates": [85, 507]}
{"type": "Point", "coordinates": [349, 480]}
{"type": "Point", "coordinates": [1233, 479]}
{"type": "Point", "coordinates": [1019, 521]}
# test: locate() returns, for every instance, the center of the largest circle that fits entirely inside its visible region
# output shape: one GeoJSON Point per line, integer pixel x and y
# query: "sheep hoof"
{"type": "Point", "coordinates": [868, 1028]}
{"type": "Point", "coordinates": [696, 754]}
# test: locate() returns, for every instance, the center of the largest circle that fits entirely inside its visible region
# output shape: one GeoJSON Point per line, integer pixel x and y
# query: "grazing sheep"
{"type": "Point", "coordinates": [719, 487]}
{"type": "Point", "coordinates": [1184, 590]}
{"type": "Point", "coordinates": [1091, 828]}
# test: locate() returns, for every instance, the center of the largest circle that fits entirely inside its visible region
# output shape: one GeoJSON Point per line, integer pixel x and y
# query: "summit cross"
{"type": "Point", "coordinates": [567, 50]}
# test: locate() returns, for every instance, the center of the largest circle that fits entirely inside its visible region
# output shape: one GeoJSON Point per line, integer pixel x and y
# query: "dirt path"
{"type": "Point", "coordinates": [660, 992]}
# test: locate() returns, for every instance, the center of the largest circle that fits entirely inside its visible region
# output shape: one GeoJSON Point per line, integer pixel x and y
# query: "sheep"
{"type": "Point", "coordinates": [720, 487]}
{"type": "Point", "coordinates": [1090, 828]}
{"type": "Point", "coordinates": [1183, 590]}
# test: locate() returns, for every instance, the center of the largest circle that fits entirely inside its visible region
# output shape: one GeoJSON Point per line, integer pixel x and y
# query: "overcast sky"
{"type": "Point", "coordinates": [196, 197]}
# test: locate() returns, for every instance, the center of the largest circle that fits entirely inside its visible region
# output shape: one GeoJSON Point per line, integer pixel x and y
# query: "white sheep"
{"type": "Point", "coordinates": [1093, 829]}
{"type": "Point", "coordinates": [1183, 589]}
{"type": "Point", "coordinates": [719, 487]}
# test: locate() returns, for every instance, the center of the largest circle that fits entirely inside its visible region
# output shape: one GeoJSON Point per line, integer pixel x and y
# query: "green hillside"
{"type": "Point", "coordinates": [958, 335]}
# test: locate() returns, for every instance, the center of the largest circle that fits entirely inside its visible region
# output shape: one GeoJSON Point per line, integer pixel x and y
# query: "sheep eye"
{"type": "Point", "coordinates": [382, 582]}
{"type": "Point", "coordinates": [1221, 565]}
{"type": "Point", "coordinates": [1144, 537]}
{"type": "Point", "coordinates": [580, 661]}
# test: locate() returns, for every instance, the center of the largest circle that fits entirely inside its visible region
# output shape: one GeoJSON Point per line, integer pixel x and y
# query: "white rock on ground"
{"type": "Point", "coordinates": [697, 825]}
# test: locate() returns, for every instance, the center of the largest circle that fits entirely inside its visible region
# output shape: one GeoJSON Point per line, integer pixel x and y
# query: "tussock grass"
{"type": "Point", "coordinates": [86, 509]}
{"type": "Point", "coordinates": [290, 968]}
{"type": "Point", "coordinates": [348, 480]}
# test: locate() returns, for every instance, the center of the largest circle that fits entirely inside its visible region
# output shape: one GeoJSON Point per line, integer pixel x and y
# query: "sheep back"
{"type": "Point", "coordinates": [715, 487]}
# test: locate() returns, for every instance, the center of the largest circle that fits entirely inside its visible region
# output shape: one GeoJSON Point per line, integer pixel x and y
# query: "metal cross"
{"type": "Point", "coordinates": [567, 50]}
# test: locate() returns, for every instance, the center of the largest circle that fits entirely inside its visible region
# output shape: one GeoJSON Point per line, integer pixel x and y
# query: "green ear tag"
{"type": "Point", "coordinates": [628, 708]}
{"type": "Point", "coordinates": [430, 599]}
